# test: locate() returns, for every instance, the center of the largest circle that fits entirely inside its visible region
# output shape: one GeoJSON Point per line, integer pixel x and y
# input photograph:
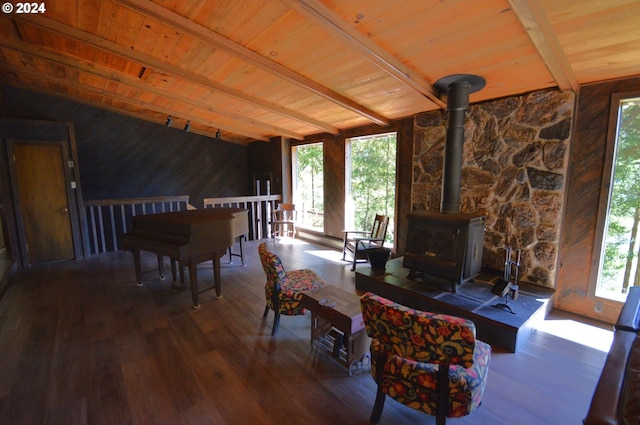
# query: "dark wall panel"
{"type": "Point", "coordinates": [124, 157]}
{"type": "Point", "coordinates": [266, 159]}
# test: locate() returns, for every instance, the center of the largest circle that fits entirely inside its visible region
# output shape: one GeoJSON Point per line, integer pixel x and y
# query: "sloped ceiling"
{"type": "Point", "coordinates": [249, 70]}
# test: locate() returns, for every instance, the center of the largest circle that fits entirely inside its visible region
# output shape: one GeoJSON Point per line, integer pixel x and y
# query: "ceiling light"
{"type": "Point", "coordinates": [169, 121]}
{"type": "Point", "coordinates": [187, 126]}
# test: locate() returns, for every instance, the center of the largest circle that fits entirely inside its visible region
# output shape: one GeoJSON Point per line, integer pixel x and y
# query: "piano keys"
{"type": "Point", "coordinates": [189, 237]}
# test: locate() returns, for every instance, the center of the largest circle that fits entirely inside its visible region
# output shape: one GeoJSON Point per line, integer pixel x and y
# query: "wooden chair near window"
{"type": "Point", "coordinates": [283, 220]}
{"type": "Point", "coordinates": [356, 242]}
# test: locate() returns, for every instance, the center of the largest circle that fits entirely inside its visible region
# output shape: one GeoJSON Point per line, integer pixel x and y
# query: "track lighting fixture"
{"type": "Point", "coordinates": [187, 126]}
{"type": "Point", "coordinates": [218, 134]}
{"type": "Point", "coordinates": [169, 121]}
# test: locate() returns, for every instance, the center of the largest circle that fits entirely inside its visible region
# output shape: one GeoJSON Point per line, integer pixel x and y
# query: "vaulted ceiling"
{"type": "Point", "coordinates": [250, 70]}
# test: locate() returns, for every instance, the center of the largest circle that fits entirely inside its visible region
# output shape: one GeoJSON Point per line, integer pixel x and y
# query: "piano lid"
{"type": "Point", "coordinates": [183, 223]}
{"type": "Point", "coordinates": [195, 229]}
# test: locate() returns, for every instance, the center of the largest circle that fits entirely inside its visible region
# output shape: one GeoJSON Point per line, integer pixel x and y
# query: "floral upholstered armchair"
{"type": "Point", "coordinates": [283, 290]}
{"type": "Point", "coordinates": [429, 362]}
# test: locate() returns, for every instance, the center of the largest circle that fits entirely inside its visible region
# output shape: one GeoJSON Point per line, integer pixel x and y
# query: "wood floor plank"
{"type": "Point", "coordinates": [148, 394]}
{"type": "Point", "coordinates": [69, 360]}
{"type": "Point", "coordinates": [175, 365]}
{"type": "Point", "coordinates": [107, 398]}
{"type": "Point", "coordinates": [71, 412]}
{"type": "Point", "coordinates": [228, 393]}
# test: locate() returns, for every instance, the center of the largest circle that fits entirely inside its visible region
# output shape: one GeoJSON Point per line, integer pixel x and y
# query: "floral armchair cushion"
{"type": "Point", "coordinates": [409, 345]}
{"type": "Point", "coordinates": [285, 288]}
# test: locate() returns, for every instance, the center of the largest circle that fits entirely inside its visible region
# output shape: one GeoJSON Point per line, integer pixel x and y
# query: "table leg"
{"type": "Point", "coordinates": [338, 344]}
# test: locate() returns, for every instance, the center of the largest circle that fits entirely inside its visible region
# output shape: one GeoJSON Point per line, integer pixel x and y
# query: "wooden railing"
{"type": "Point", "coordinates": [259, 207]}
{"type": "Point", "coordinates": [108, 219]}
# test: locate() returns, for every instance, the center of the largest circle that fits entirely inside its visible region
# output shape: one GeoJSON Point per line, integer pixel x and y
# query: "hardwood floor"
{"type": "Point", "coordinates": [80, 343]}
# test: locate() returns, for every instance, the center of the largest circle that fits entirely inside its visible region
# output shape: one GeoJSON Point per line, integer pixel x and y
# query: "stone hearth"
{"type": "Point", "coordinates": [473, 300]}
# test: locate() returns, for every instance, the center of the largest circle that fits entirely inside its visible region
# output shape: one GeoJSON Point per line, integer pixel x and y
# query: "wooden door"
{"type": "Point", "coordinates": [42, 200]}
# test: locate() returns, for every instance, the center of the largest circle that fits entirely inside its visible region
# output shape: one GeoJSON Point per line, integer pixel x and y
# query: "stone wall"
{"type": "Point", "coordinates": [514, 169]}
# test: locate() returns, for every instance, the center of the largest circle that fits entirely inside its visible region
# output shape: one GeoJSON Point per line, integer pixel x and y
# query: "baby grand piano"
{"type": "Point", "coordinates": [189, 237]}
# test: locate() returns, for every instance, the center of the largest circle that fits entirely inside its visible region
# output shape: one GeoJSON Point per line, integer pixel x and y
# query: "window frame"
{"type": "Point", "coordinates": [606, 186]}
{"type": "Point", "coordinates": [294, 186]}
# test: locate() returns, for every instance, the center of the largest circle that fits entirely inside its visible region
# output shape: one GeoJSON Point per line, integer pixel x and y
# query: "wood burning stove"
{"type": "Point", "coordinates": [448, 244]}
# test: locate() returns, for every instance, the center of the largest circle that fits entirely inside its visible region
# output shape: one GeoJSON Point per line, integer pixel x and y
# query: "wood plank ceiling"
{"type": "Point", "coordinates": [250, 70]}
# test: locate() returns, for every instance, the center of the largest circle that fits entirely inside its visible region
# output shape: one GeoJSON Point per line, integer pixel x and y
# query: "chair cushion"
{"type": "Point", "coordinates": [304, 280]}
{"type": "Point", "coordinates": [414, 383]}
{"type": "Point", "coordinates": [298, 281]}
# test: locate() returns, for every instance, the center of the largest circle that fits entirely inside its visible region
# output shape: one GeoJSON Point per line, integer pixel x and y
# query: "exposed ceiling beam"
{"type": "Point", "coordinates": [124, 99]}
{"type": "Point", "coordinates": [150, 62]}
{"type": "Point", "coordinates": [84, 66]}
{"type": "Point", "coordinates": [353, 38]}
{"type": "Point", "coordinates": [536, 24]}
{"type": "Point", "coordinates": [170, 18]}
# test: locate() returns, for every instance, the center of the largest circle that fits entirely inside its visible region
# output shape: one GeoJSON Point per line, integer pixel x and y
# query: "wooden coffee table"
{"type": "Point", "coordinates": [337, 325]}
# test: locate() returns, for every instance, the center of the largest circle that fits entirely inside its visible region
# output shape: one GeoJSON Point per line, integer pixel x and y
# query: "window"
{"type": "Point", "coordinates": [371, 181]}
{"type": "Point", "coordinates": [308, 185]}
{"type": "Point", "coordinates": [619, 258]}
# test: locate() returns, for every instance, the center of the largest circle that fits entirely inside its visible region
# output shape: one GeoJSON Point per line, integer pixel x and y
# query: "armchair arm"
{"type": "Point", "coordinates": [357, 231]}
{"type": "Point", "coordinates": [361, 241]}
{"type": "Point", "coordinates": [348, 235]}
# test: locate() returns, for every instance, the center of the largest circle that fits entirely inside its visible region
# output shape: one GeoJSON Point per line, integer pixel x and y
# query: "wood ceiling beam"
{"type": "Point", "coordinates": [334, 25]}
{"type": "Point", "coordinates": [170, 18]}
{"type": "Point", "coordinates": [121, 98]}
{"type": "Point", "coordinates": [536, 24]}
{"type": "Point", "coordinates": [150, 62]}
{"type": "Point", "coordinates": [109, 74]}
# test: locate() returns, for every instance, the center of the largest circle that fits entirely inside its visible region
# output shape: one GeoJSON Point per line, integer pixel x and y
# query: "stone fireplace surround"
{"type": "Point", "coordinates": [514, 169]}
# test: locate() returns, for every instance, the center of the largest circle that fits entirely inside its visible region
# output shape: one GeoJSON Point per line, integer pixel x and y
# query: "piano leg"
{"type": "Point", "coordinates": [174, 273]}
{"type": "Point", "coordinates": [241, 251]}
{"type": "Point", "coordinates": [161, 266]}
{"type": "Point", "coordinates": [175, 267]}
{"type": "Point", "coordinates": [136, 265]}
{"type": "Point", "coordinates": [216, 274]}
{"type": "Point", "coordinates": [193, 279]}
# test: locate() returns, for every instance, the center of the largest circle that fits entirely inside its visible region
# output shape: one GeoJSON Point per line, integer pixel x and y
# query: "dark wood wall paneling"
{"type": "Point", "coordinates": [587, 168]}
{"type": "Point", "coordinates": [266, 159]}
{"type": "Point", "coordinates": [124, 157]}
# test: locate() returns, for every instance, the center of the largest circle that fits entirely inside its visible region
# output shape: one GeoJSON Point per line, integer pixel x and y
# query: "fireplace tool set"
{"type": "Point", "coordinates": [505, 287]}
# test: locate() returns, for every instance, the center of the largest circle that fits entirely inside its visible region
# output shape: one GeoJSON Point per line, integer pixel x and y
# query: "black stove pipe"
{"type": "Point", "coordinates": [457, 105]}
{"type": "Point", "coordinates": [458, 88]}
